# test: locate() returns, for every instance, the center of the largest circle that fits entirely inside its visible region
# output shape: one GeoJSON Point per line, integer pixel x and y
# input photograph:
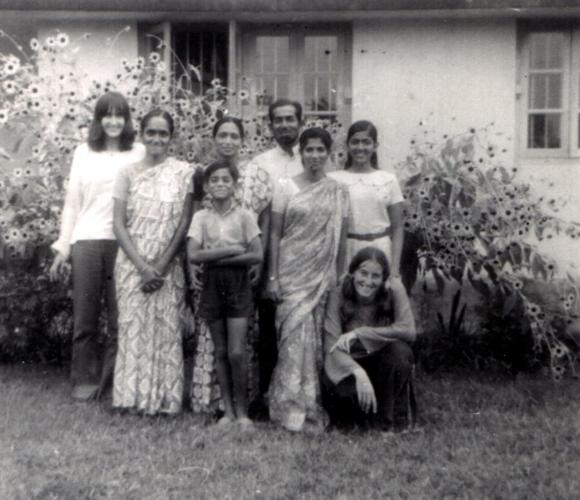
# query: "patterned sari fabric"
{"type": "Point", "coordinates": [149, 364]}
{"type": "Point", "coordinates": [307, 269]}
{"type": "Point", "coordinates": [255, 194]}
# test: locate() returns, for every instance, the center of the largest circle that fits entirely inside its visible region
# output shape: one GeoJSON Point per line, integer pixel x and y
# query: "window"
{"type": "Point", "coordinates": [197, 53]}
{"type": "Point", "coordinates": [308, 64]}
{"type": "Point", "coordinates": [551, 92]}
{"type": "Point", "coordinates": [206, 49]}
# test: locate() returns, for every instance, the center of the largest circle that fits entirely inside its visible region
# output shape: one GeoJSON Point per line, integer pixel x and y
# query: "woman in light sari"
{"type": "Point", "coordinates": [308, 236]}
{"type": "Point", "coordinates": [152, 211]}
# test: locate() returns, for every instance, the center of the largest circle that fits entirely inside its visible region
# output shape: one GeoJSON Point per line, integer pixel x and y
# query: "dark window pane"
{"type": "Point", "coordinates": [544, 131]}
{"type": "Point", "coordinates": [207, 51]}
{"type": "Point", "coordinates": [553, 131]}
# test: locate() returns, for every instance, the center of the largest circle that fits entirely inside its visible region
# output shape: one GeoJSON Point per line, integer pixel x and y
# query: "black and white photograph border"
{"type": "Point", "coordinates": [389, 187]}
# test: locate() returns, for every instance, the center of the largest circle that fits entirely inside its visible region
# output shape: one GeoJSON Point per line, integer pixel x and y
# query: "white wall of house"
{"type": "Point", "coordinates": [452, 75]}
{"type": "Point", "coordinates": [100, 53]}
{"type": "Point", "coordinates": [449, 74]}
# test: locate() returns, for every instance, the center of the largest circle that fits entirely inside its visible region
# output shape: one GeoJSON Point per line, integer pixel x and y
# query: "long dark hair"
{"type": "Point", "coordinates": [111, 102]}
{"type": "Point", "coordinates": [381, 299]}
{"type": "Point", "coordinates": [362, 126]}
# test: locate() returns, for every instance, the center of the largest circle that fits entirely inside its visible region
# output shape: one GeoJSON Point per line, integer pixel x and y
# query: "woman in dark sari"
{"type": "Point", "coordinates": [309, 218]}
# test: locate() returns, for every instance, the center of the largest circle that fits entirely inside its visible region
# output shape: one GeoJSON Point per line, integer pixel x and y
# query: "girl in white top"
{"type": "Point", "coordinates": [376, 216]}
{"type": "Point", "coordinates": [86, 237]}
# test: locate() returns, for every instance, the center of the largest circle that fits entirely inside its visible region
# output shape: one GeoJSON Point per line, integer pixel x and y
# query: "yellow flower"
{"type": "Point", "coordinates": [9, 87]}
{"type": "Point", "coordinates": [12, 65]}
{"type": "Point", "coordinates": [560, 351]}
{"type": "Point", "coordinates": [154, 57]}
{"type": "Point", "coordinates": [3, 116]}
{"type": "Point", "coordinates": [34, 90]}
{"type": "Point", "coordinates": [34, 44]}
{"type": "Point", "coordinates": [62, 40]}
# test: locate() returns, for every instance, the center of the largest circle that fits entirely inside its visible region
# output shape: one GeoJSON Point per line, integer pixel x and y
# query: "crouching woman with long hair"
{"type": "Point", "coordinates": [369, 329]}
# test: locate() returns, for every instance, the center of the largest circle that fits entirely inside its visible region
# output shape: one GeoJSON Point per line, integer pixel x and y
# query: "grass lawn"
{"type": "Point", "coordinates": [478, 439]}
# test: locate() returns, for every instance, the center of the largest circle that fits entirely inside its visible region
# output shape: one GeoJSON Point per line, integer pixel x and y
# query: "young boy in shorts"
{"type": "Point", "coordinates": [227, 240]}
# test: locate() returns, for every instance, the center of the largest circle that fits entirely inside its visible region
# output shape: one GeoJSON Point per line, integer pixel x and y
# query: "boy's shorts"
{"type": "Point", "coordinates": [226, 293]}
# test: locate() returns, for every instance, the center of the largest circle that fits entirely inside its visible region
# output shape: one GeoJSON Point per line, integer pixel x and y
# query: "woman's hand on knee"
{"type": "Point", "coordinates": [365, 392]}
{"type": "Point", "coordinates": [344, 341]}
{"type": "Point", "coordinates": [393, 280]}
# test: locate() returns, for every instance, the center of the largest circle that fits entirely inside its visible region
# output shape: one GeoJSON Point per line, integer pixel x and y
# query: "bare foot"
{"type": "Point", "coordinates": [245, 423]}
{"type": "Point", "coordinates": [224, 421]}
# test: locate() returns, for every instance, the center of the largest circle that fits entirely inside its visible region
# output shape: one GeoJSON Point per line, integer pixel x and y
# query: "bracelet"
{"type": "Point", "coordinates": [272, 278]}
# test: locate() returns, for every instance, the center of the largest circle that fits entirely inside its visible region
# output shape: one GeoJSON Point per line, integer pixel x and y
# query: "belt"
{"type": "Point", "coordinates": [369, 236]}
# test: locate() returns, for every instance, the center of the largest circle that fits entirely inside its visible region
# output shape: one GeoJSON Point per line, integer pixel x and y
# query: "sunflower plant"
{"type": "Point", "coordinates": [476, 225]}
{"type": "Point", "coordinates": [45, 112]}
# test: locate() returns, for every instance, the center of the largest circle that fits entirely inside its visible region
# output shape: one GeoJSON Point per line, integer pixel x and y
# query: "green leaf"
{"type": "Point", "coordinates": [414, 179]}
{"type": "Point", "coordinates": [539, 267]}
{"type": "Point", "coordinates": [439, 279]}
{"type": "Point", "coordinates": [509, 304]}
{"type": "Point", "coordinates": [479, 285]}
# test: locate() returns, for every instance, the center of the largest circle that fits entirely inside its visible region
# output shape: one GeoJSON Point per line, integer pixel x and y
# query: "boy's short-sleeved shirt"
{"type": "Point", "coordinates": [211, 229]}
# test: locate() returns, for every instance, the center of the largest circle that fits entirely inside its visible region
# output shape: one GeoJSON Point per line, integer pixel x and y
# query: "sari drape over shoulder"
{"type": "Point", "coordinates": [309, 246]}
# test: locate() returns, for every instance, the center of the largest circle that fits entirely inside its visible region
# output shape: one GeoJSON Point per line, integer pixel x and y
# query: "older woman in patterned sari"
{"type": "Point", "coordinates": [308, 236]}
{"type": "Point", "coordinates": [152, 212]}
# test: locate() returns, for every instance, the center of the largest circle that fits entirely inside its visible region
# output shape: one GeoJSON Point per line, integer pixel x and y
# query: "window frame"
{"type": "Point", "coordinates": [297, 35]}
{"type": "Point", "coordinates": [570, 147]}
{"type": "Point", "coordinates": [575, 94]}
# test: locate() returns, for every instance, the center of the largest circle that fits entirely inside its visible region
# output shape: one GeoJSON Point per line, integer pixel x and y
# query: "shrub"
{"type": "Point", "coordinates": [472, 222]}
{"type": "Point", "coordinates": [45, 113]}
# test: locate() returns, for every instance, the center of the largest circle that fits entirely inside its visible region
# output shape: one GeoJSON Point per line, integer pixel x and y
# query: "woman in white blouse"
{"type": "Point", "coordinates": [87, 239]}
{"type": "Point", "coordinates": [375, 198]}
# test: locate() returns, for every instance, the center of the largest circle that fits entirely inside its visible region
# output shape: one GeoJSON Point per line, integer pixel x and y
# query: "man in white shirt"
{"type": "Point", "coordinates": [281, 162]}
